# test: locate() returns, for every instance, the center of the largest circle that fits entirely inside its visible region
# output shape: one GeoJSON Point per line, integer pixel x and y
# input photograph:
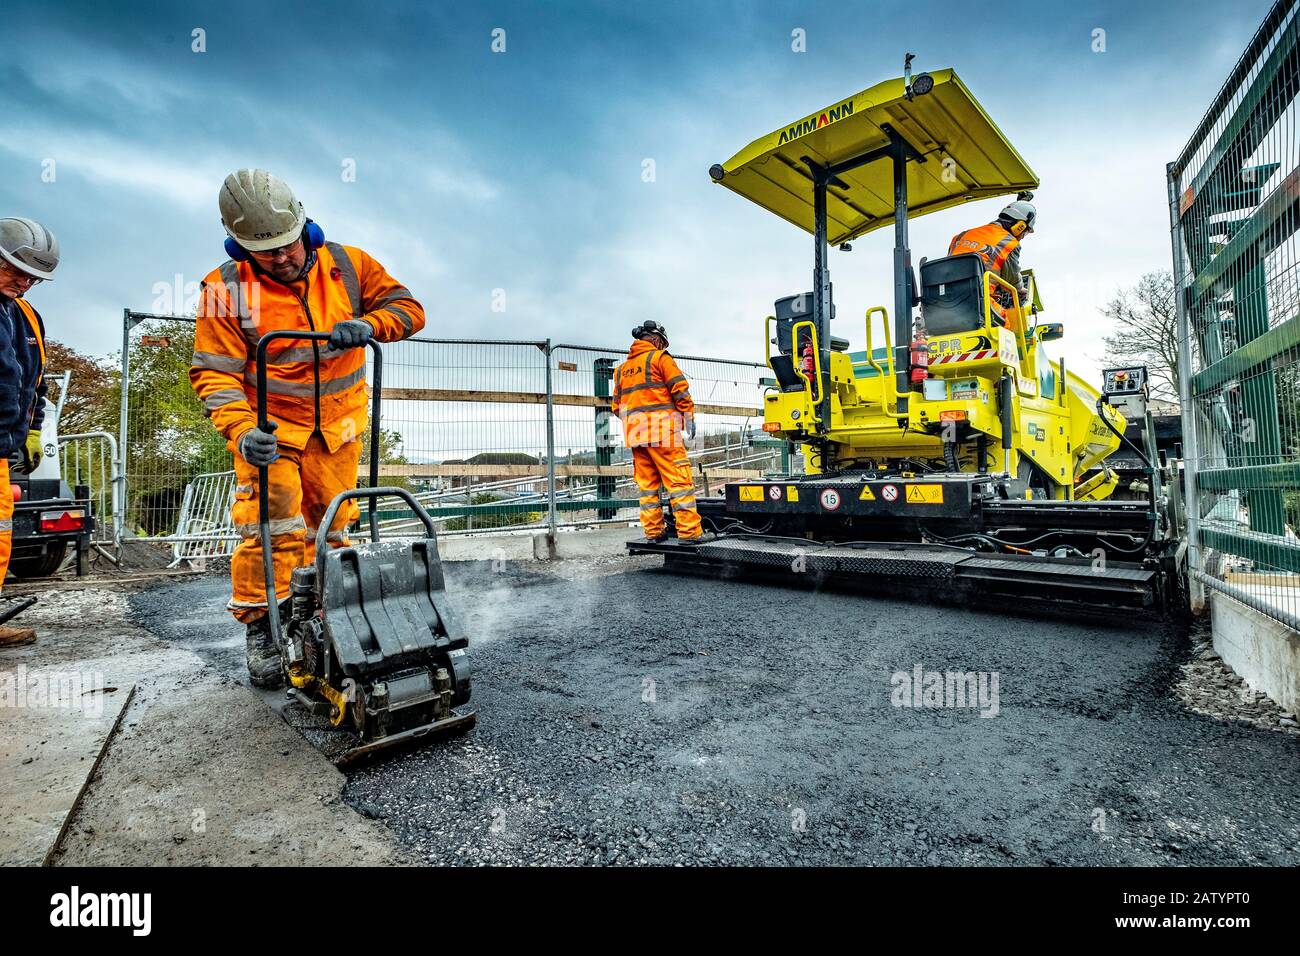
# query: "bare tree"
{"type": "Point", "coordinates": [1146, 331]}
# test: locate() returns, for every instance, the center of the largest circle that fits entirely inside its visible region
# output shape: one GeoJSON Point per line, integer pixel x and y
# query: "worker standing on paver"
{"type": "Point", "coordinates": [998, 244]}
{"type": "Point", "coordinates": [283, 275]}
{"type": "Point", "coordinates": [29, 254]}
{"type": "Point", "coordinates": [653, 399]}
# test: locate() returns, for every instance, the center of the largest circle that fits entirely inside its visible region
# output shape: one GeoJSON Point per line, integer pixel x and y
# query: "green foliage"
{"type": "Point", "coordinates": [169, 439]}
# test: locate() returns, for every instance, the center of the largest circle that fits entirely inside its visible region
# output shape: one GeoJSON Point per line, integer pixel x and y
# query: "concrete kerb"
{"type": "Point", "coordinates": [575, 543]}
{"type": "Point", "coordinates": [1263, 652]}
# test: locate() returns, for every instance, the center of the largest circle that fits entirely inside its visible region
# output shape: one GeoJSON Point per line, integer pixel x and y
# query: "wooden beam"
{"type": "Point", "coordinates": [538, 398]}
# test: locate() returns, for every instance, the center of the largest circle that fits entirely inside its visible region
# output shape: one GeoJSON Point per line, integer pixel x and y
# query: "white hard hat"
{"type": "Point", "coordinates": [1021, 211]}
{"type": "Point", "coordinates": [27, 245]}
{"type": "Point", "coordinates": [259, 210]}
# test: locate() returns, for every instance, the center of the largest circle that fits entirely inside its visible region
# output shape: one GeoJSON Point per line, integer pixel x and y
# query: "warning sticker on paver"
{"type": "Point", "coordinates": [751, 493]}
{"type": "Point", "coordinates": [791, 493]}
{"type": "Point", "coordinates": [889, 492]}
{"type": "Point", "coordinates": [866, 494]}
{"type": "Point", "coordinates": [830, 499]}
{"type": "Point", "coordinates": [925, 494]}
{"type": "Point", "coordinates": [774, 492]}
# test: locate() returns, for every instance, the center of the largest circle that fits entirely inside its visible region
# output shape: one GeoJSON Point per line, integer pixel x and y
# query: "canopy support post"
{"type": "Point", "coordinates": [822, 298]}
{"type": "Point", "coordinates": [902, 272]}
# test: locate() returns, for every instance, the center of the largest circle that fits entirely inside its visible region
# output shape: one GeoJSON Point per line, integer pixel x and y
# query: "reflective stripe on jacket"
{"type": "Point", "coordinates": [652, 397]}
{"type": "Point", "coordinates": [308, 386]}
{"type": "Point", "coordinates": [34, 377]}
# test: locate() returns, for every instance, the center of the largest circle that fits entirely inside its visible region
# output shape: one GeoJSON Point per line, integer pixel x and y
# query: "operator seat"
{"type": "Point", "coordinates": [789, 311]}
{"type": "Point", "coordinates": [952, 294]}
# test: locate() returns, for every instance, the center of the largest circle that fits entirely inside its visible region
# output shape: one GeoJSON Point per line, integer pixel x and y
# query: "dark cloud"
{"type": "Point", "coordinates": [522, 171]}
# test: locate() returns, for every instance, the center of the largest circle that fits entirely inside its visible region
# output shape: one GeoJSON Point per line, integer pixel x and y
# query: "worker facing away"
{"type": "Point", "coordinates": [653, 400]}
{"type": "Point", "coordinates": [284, 275]}
{"type": "Point", "coordinates": [998, 244]}
{"type": "Point", "coordinates": [29, 254]}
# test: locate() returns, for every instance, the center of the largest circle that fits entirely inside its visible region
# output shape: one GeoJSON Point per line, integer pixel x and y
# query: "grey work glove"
{"type": "Point", "coordinates": [350, 334]}
{"type": "Point", "coordinates": [259, 447]}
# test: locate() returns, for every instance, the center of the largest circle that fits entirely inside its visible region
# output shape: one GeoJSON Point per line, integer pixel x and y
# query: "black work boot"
{"type": "Point", "coordinates": [264, 668]}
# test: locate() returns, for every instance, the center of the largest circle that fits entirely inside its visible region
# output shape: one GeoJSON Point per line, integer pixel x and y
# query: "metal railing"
{"type": "Point", "coordinates": [488, 434]}
{"type": "Point", "coordinates": [1234, 206]}
{"type": "Point", "coordinates": [91, 460]}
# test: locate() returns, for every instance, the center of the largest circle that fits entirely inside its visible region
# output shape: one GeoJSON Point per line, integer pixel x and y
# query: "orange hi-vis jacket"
{"type": "Point", "coordinates": [652, 397]}
{"type": "Point", "coordinates": [992, 243]}
{"type": "Point", "coordinates": [309, 388]}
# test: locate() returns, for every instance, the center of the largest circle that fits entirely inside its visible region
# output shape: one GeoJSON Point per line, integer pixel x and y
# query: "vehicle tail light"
{"type": "Point", "coordinates": [74, 519]}
{"type": "Point", "coordinates": [953, 415]}
{"type": "Point", "coordinates": [17, 492]}
{"type": "Point", "coordinates": [771, 426]}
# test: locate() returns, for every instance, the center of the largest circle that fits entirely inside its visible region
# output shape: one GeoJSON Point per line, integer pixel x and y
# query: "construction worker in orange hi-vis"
{"type": "Point", "coordinates": [653, 400]}
{"type": "Point", "coordinates": [998, 244]}
{"type": "Point", "coordinates": [283, 275]}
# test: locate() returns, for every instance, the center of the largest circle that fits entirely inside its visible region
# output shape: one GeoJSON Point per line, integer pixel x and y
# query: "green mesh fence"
{"type": "Point", "coordinates": [1235, 209]}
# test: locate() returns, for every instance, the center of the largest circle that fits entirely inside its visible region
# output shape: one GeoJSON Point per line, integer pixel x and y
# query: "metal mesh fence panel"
{"type": "Point", "coordinates": [593, 464]}
{"type": "Point", "coordinates": [468, 426]}
{"type": "Point", "coordinates": [164, 437]}
{"type": "Point", "coordinates": [1235, 210]}
{"type": "Point", "coordinates": [464, 428]}
{"type": "Point", "coordinates": [90, 461]}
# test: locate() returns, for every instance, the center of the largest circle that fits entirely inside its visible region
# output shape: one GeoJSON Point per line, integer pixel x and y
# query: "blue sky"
{"type": "Point", "coordinates": [522, 171]}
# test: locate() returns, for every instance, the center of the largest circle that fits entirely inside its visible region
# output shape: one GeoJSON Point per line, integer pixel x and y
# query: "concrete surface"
{"type": "Point", "coordinates": [603, 541]}
{"type": "Point", "coordinates": [627, 716]}
{"type": "Point", "coordinates": [200, 771]}
{"type": "Point", "coordinates": [1263, 652]}
{"type": "Point", "coordinates": [57, 712]}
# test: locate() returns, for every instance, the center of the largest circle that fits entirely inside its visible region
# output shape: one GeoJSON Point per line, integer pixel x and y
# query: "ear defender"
{"type": "Point", "coordinates": [1018, 229]}
{"type": "Point", "coordinates": [313, 237]}
{"type": "Point", "coordinates": [236, 252]}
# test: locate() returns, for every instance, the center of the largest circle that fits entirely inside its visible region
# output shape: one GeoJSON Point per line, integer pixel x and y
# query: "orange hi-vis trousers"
{"type": "Point", "coordinates": [6, 519]}
{"type": "Point", "coordinates": [667, 469]}
{"type": "Point", "coordinates": [302, 484]}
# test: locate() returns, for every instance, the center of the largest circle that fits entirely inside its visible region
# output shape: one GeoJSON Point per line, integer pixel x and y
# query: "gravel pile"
{"type": "Point", "coordinates": [1211, 687]}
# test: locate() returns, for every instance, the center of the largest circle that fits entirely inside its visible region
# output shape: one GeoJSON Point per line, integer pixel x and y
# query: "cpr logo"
{"type": "Point", "coordinates": [830, 499]}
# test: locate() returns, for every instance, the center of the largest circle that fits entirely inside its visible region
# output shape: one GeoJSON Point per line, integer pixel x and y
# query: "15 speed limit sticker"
{"type": "Point", "coordinates": [830, 499]}
{"type": "Point", "coordinates": [889, 492]}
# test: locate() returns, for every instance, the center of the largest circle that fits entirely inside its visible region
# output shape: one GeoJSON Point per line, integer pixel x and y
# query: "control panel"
{"type": "Point", "coordinates": [1126, 390]}
{"type": "Point", "coordinates": [1124, 381]}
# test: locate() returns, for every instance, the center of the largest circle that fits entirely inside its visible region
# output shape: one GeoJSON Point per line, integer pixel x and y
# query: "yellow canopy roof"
{"type": "Point", "coordinates": [966, 158]}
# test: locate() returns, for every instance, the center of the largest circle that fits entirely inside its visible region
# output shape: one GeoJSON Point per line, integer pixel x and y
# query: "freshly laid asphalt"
{"type": "Point", "coordinates": [631, 716]}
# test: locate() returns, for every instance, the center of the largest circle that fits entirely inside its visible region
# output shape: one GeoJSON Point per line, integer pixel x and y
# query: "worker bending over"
{"type": "Point", "coordinates": [653, 399]}
{"type": "Point", "coordinates": [283, 275]}
{"type": "Point", "coordinates": [998, 244]}
{"type": "Point", "coordinates": [29, 254]}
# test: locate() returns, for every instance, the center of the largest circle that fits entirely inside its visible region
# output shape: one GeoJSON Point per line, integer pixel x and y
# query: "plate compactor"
{"type": "Point", "coordinates": [957, 459]}
{"type": "Point", "coordinates": [371, 642]}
